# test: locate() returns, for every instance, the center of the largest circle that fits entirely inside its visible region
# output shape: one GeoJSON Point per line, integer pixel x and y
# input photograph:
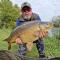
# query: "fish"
{"type": "Point", "coordinates": [26, 32]}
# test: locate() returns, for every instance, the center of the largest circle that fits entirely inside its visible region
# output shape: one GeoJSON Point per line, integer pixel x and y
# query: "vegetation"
{"type": "Point", "coordinates": [8, 14]}
{"type": "Point", "coordinates": [56, 31]}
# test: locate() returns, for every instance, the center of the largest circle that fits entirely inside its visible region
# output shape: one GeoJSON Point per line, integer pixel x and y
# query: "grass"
{"type": "Point", "coordinates": [52, 45]}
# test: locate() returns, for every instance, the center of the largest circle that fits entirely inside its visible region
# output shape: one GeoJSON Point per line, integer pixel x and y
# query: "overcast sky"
{"type": "Point", "coordinates": [45, 8]}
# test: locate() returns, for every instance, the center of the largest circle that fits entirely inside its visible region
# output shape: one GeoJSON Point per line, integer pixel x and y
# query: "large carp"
{"type": "Point", "coordinates": [27, 32]}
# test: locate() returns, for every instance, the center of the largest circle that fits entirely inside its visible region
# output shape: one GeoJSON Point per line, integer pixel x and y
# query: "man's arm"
{"type": "Point", "coordinates": [17, 23]}
{"type": "Point", "coordinates": [36, 17]}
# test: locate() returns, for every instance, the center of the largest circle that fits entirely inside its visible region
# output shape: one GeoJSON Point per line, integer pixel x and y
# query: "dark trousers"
{"type": "Point", "coordinates": [39, 45]}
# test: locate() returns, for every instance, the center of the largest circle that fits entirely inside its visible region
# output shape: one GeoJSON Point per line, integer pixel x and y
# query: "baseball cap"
{"type": "Point", "coordinates": [25, 4]}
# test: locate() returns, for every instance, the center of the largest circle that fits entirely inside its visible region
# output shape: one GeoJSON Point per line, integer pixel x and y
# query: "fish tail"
{"type": "Point", "coordinates": [6, 39]}
{"type": "Point", "coordinates": [9, 44]}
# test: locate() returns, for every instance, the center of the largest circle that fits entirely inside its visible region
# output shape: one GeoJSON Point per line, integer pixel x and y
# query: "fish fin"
{"type": "Point", "coordinates": [9, 46]}
{"type": "Point", "coordinates": [29, 46]}
{"type": "Point", "coordinates": [6, 39]}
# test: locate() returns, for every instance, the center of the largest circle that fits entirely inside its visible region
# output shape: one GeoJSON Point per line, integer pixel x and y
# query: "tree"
{"type": "Point", "coordinates": [8, 13]}
{"type": "Point", "coordinates": [56, 21]}
{"type": "Point", "coordinates": [56, 31]}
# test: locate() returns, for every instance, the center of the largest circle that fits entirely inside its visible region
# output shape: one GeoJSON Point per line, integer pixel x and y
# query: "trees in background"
{"type": "Point", "coordinates": [8, 14]}
{"type": "Point", "coordinates": [56, 20]}
{"type": "Point", "coordinates": [56, 31]}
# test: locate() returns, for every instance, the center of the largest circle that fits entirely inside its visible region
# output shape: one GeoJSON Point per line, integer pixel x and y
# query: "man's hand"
{"type": "Point", "coordinates": [18, 41]}
{"type": "Point", "coordinates": [42, 33]}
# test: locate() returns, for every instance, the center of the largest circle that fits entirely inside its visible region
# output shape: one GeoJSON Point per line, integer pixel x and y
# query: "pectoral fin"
{"type": "Point", "coordinates": [29, 46]}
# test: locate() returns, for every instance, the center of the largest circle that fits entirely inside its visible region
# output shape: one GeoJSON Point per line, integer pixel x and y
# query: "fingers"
{"type": "Point", "coordinates": [18, 41]}
{"type": "Point", "coordinates": [42, 34]}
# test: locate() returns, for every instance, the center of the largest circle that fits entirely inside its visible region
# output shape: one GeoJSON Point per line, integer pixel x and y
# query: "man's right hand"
{"type": "Point", "coordinates": [42, 33]}
{"type": "Point", "coordinates": [18, 41]}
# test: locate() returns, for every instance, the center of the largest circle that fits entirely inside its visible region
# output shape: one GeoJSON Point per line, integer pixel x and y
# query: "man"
{"type": "Point", "coordinates": [28, 15]}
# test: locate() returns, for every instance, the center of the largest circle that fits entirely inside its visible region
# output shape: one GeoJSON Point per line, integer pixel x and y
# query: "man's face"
{"type": "Point", "coordinates": [26, 12]}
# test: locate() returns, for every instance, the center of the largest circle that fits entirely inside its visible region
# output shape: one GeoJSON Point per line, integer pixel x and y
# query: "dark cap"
{"type": "Point", "coordinates": [25, 4]}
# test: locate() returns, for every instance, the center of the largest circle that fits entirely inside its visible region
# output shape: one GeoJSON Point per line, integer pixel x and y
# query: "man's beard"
{"type": "Point", "coordinates": [27, 17]}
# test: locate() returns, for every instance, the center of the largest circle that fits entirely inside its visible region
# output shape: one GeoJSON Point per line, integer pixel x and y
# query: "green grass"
{"type": "Point", "coordinates": [52, 46]}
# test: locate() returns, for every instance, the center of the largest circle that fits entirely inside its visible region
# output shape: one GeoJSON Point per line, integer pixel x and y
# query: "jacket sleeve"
{"type": "Point", "coordinates": [38, 18]}
{"type": "Point", "coordinates": [17, 22]}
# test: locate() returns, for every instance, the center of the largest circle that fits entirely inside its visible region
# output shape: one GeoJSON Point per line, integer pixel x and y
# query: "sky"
{"type": "Point", "coordinates": [45, 8]}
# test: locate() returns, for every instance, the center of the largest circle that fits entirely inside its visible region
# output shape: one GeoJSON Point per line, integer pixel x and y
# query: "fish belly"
{"type": "Point", "coordinates": [29, 35]}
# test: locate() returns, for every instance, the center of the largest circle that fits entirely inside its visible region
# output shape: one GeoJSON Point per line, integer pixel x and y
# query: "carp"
{"type": "Point", "coordinates": [26, 32]}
